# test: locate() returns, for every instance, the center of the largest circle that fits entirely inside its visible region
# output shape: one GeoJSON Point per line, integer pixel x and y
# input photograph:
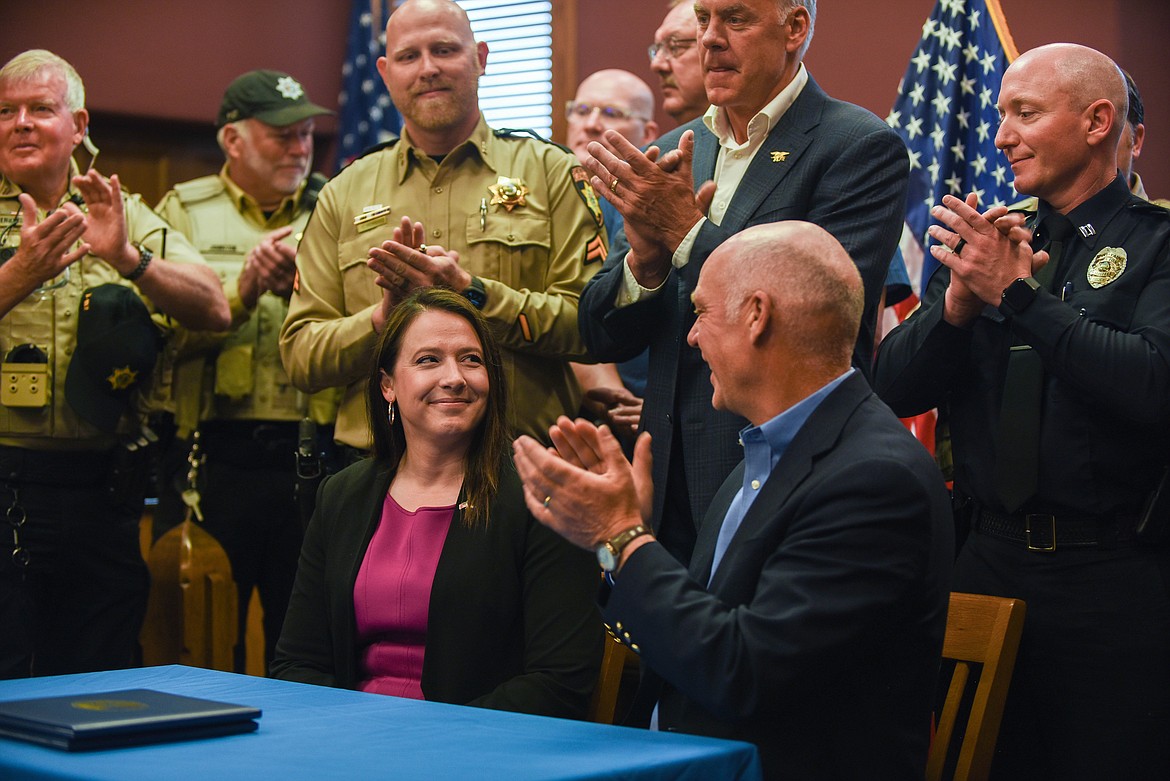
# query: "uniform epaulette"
{"type": "Point", "coordinates": [1028, 205]}
{"type": "Point", "coordinates": [512, 132]}
{"type": "Point", "coordinates": [1142, 206]}
{"type": "Point", "coordinates": [313, 189]}
{"type": "Point", "coordinates": [371, 150]}
{"type": "Point", "coordinates": [199, 189]}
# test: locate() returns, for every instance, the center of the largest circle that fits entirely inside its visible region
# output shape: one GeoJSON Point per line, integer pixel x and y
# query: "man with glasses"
{"type": "Point", "coordinates": [773, 146]}
{"type": "Point", "coordinates": [77, 258]}
{"type": "Point", "coordinates": [674, 56]}
{"type": "Point", "coordinates": [612, 100]}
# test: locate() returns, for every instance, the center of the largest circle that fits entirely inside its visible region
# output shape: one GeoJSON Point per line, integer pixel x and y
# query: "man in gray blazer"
{"type": "Point", "coordinates": [773, 146]}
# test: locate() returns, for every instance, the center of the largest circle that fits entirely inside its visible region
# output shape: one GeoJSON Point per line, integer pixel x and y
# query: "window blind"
{"type": "Point", "coordinates": [516, 90]}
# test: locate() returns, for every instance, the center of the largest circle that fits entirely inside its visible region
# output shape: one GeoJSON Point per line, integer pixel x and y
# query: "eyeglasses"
{"type": "Point", "coordinates": [673, 48]}
{"type": "Point", "coordinates": [582, 111]}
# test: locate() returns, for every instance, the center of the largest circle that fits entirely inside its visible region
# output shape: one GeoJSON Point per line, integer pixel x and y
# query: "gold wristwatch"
{"type": "Point", "coordinates": [609, 553]}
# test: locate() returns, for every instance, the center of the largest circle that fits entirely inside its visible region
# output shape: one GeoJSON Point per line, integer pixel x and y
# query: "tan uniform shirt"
{"type": "Point", "coordinates": [48, 319]}
{"type": "Point", "coordinates": [533, 259]}
{"type": "Point", "coordinates": [237, 375]}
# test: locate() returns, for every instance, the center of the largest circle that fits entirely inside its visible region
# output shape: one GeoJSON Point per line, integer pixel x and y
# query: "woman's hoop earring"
{"type": "Point", "coordinates": [391, 414]}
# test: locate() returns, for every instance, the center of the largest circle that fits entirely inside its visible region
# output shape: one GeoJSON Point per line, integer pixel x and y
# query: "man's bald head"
{"type": "Point", "coordinates": [777, 311]}
{"type": "Point", "coordinates": [431, 69]}
{"type": "Point", "coordinates": [807, 271]}
{"type": "Point", "coordinates": [411, 12]}
{"type": "Point", "coordinates": [1062, 110]}
{"type": "Point", "coordinates": [610, 99]}
{"type": "Point", "coordinates": [634, 92]}
{"type": "Point", "coordinates": [1082, 74]}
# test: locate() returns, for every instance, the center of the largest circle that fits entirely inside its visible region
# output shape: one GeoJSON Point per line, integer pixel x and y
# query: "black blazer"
{"type": "Point", "coordinates": [820, 637]}
{"type": "Point", "coordinates": [513, 622]}
{"type": "Point", "coordinates": [843, 169]}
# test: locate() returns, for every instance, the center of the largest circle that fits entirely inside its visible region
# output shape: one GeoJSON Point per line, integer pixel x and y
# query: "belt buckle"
{"type": "Point", "coordinates": [1037, 521]}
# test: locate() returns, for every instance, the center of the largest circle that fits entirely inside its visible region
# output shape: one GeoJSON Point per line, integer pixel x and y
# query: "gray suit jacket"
{"type": "Point", "coordinates": [844, 170]}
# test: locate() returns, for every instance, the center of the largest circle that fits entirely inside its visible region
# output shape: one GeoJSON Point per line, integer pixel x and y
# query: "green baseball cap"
{"type": "Point", "coordinates": [272, 97]}
{"type": "Point", "coordinates": [117, 345]}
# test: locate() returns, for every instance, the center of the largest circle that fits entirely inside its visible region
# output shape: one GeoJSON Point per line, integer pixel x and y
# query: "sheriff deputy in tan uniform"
{"type": "Point", "coordinates": [509, 221]}
{"type": "Point", "coordinates": [246, 221]}
{"type": "Point", "coordinates": [73, 585]}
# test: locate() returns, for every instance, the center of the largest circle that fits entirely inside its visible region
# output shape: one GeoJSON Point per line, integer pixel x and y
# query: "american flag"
{"type": "Point", "coordinates": [946, 114]}
{"type": "Point", "coordinates": [367, 116]}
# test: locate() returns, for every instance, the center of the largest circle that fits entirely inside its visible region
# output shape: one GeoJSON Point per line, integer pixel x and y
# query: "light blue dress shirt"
{"type": "Point", "coordinates": [763, 446]}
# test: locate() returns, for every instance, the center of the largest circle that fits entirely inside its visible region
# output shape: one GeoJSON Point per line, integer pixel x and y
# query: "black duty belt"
{"type": "Point", "coordinates": [56, 467]}
{"type": "Point", "coordinates": [250, 443]}
{"type": "Point", "coordinates": [258, 430]}
{"type": "Point", "coordinates": [1045, 533]}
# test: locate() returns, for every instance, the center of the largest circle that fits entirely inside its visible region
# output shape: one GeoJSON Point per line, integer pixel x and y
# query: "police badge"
{"type": "Point", "coordinates": [1106, 267]}
{"type": "Point", "coordinates": [508, 192]}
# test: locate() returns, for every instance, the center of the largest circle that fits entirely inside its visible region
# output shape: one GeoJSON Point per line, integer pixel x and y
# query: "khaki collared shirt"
{"type": "Point", "coordinates": [237, 375]}
{"type": "Point", "coordinates": [533, 259]}
{"type": "Point", "coordinates": [48, 319]}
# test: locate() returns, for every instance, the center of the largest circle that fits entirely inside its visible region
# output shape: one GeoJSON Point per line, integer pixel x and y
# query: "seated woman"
{"type": "Point", "coordinates": [422, 573]}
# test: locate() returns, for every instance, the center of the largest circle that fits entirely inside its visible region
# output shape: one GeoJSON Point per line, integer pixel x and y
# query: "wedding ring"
{"type": "Point", "coordinates": [959, 247]}
{"type": "Point", "coordinates": [613, 185]}
{"type": "Point", "coordinates": [422, 248]}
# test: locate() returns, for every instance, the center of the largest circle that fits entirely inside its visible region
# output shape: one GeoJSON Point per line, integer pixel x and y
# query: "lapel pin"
{"type": "Point", "coordinates": [779, 157]}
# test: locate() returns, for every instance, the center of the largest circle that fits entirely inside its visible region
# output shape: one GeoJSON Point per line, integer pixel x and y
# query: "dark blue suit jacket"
{"type": "Point", "coordinates": [844, 170]}
{"type": "Point", "coordinates": [820, 637]}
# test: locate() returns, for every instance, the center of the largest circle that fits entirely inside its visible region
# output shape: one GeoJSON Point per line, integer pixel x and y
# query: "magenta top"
{"type": "Point", "coordinates": [392, 596]}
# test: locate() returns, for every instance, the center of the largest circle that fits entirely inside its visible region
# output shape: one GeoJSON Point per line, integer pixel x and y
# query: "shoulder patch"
{"type": "Point", "coordinates": [199, 189]}
{"type": "Point", "coordinates": [587, 193]}
{"type": "Point", "coordinates": [596, 251]}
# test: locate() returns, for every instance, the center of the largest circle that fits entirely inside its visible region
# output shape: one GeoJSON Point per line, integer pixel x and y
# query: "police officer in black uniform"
{"type": "Point", "coordinates": [1048, 343]}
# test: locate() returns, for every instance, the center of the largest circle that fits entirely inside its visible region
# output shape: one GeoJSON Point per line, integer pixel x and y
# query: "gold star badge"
{"type": "Point", "coordinates": [779, 157]}
{"type": "Point", "coordinates": [508, 192]}
{"type": "Point", "coordinates": [123, 378]}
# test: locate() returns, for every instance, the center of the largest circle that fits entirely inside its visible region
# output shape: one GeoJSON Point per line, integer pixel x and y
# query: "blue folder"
{"type": "Point", "coordinates": [121, 718]}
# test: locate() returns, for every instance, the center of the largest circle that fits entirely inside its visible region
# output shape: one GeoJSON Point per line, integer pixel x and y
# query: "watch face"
{"type": "Point", "coordinates": [1019, 295]}
{"type": "Point", "coordinates": [477, 297]}
{"type": "Point", "coordinates": [606, 558]}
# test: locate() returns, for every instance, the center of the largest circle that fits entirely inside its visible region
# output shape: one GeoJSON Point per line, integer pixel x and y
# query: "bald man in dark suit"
{"type": "Point", "coordinates": [811, 618]}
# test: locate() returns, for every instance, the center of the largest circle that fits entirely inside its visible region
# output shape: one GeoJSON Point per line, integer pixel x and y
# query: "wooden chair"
{"type": "Point", "coordinates": [609, 681]}
{"type": "Point", "coordinates": [982, 637]}
{"type": "Point", "coordinates": [192, 608]}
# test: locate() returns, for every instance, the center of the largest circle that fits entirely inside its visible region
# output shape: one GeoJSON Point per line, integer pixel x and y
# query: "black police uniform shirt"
{"type": "Point", "coordinates": [1102, 331]}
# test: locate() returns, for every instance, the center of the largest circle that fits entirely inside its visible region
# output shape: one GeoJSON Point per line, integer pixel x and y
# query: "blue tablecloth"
{"type": "Point", "coordinates": [311, 732]}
